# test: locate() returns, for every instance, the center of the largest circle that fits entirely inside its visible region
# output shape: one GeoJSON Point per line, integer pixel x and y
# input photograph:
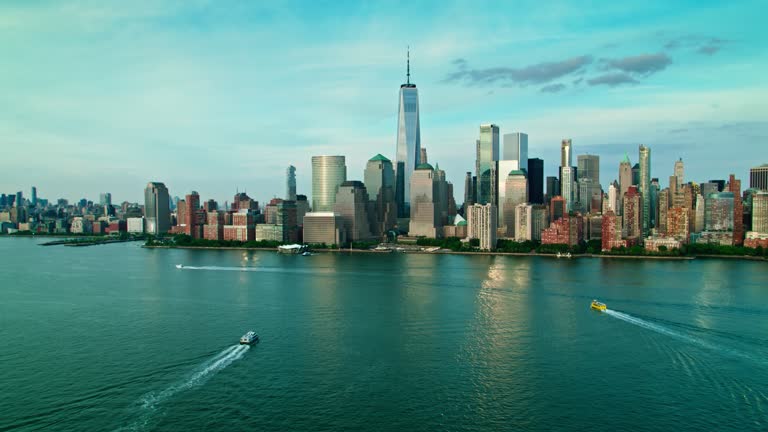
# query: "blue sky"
{"type": "Point", "coordinates": [101, 96]}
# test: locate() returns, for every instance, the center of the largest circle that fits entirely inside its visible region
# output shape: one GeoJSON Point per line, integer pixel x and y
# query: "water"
{"type": "Point", "coordinates": [115, 337]}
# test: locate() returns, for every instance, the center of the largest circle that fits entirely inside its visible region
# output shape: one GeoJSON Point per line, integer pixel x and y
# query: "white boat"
{"type": "Point", "coordinates": [178, 266]}
{"type": "Point", "coordinates": [306, 253]}
{"type": "Point", "coordinates": [249, 338]}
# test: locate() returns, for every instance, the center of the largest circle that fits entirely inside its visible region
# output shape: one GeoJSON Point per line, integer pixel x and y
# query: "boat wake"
{"type": "Point", "coordinates": [149, 402]}
{"type": "Point", "coordinates": [677, 335]}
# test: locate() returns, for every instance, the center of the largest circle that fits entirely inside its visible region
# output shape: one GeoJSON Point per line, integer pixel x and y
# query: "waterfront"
{"type": "Point", "coordinates": [116, 337]}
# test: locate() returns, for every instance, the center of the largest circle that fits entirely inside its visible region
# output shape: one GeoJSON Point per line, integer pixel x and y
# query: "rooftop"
{"type": "Point", "coordinates": [424, 166]}
{"type": "Point", "coordinates": [379, 157]}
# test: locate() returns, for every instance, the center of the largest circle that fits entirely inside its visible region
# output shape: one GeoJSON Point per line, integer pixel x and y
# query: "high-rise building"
{"type": "Point", "coordinates": [290, 183]}
{"type": "Point", "coordinates": [105, 199]}
{"type": "Point", "coordinates": [557, 208]}
{"type": "Point", "coordinates": [613, 196]}
{"type": "Point", "coordinates": [425, 218]}
{"type": "Point", "coordinates": [379, 179]}
{"type": "Point", "coordinates": [302, 208]}
{"type": "Point", "coordinates": [718, 212]}
{"type": "Point", "coordinates": [516, 148]}
{"type": "Point", "coordinates": [568, 189]}
{"type": "Point", "coordinates": [734, 186]}
{"type": "Point", "coordinates": [192, 224]}
{"type": "Point", "coordinates": [633, 213]}
{"type": "Point", "coordinates": [156, 208]}
{"type": "Point", "coordinates": [553, 187]}
{"type": "Point", "coordinates": [408, 141]}
{"type": "Point", "coordinates": [758, 177]}
{"type": "Point", "coordinates": [352, 206]}
{"type": "Point", "coordinates": [523, 225]}
{"type": "Point", "coordinates": [566, 157]}
{"type": "Point", "coordinates": [708, 188]}
{"type": "Point", "coordinates": [468, 191]}
{"type": "Point", "coordinates": [720, 184]}
{"type": "Point", "coordinates": [328, 173]}
{"type": "Point", "coordinates": [611, 231]}
{"type": "Point", "coordinates": [516, 188]}
{"type": "Point", "coordinates": [214, 226]}
{"type": "Point", "coordinates": [678, 224]}
{"type": "Point", "coordinates": [636, 174]}
{"type": "Point", "coordinates": [423, 156]}
{"type": "Point", "coordinates": [589, 191]}
{"type": "Point", "coordinates": [760, 212]}
{"type": "Point", "coordinates": [645, 187]}
{"type": "Point", "coordinates": [662, 208]}
{"type": "Point", "coordinates": [487, 155]}
{"type": "Point", "coordinates": [589, 167]}
{"type": "Point", "coordinates": [536, 181]}
{"type": "Point", "coordinates": [679, 172]}
{"type": "Point", "coordinates": [481, 224]}
{"type": "Point", "coordinates": [698, 223]}
{"type": "Point", "coordinates": [34, 197]}
{"type": "Point", "coordinates": [324, 228]}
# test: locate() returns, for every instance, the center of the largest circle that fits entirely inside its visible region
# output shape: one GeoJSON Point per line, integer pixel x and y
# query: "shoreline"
{"type": "Point", "coordinates": [486, 253]}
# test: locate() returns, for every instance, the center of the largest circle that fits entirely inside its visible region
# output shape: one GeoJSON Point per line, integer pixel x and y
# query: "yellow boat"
{"type": "Point", "coordinates": [598, 306]}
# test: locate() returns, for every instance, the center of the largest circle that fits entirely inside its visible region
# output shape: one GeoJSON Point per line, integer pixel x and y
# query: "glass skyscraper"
{"type": "Point", "coordinates": [487, 155]}
{"type": "Point", "coordinates": [328, 173]}
{"type": "Point", "coordinates": [290, 183]}
{"type": "Point", "coordinates": [408, 142]}
{"type": "Point", "coordinates": [156, 208]}
{"type": "Point", "coordinates": [645, 186]}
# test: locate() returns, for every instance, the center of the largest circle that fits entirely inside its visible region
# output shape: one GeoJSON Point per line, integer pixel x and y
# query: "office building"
{"type": "Point", "coordinates": [423, 156]}
{"type": "Point", "coordinates": [557, 208]}
{"type": "Point", "coordinates": [645, 187]}
{"type": "Point", "coordinates": [625, 180]}
{"type": "Point", "coordinates": [698, 223]}
{"type": "Point", "coordinates": [553, 187]}
{"type": "Point", "coordinates": [589, 167]}
{"type": "Point", "coordinates": [214, 226]}
{"type": "Point", "coordinates": [302, 208]}
{"type": "Point", "coordinates": [632, 219]}
{"type": "Point", "coordinates": [487, 155]}
{"type": "Point", "coordinates": [758, 177]}
{"type": "Point", "coordinates": [516, 148]}
{"type": "Point", "coordinates": [566, 153]}
{"type": "Point", "coordinates": [156, 208]}
{"type": "Point", "coordinates": [718, 212]}
{"type": "Point", "coordinates": [352, 206]}
{"type": "Point", "coordinates": [379, 177]}
{"type": "Point", "coordinates": [328, 173]}
{"type": "Point", "coordinates": [425, 217]}
{"type": "Point", "coordinates": [481, 224]}
{"type": "Point", "coordinates": [679, 172]}
{"type": "Point", "coordinates": [734, 187]}
{"type": "Point", "coordinates": [324, 228]}
{"type": "Point", "coordinates": [33, 197]}
{"type": "Point", "coordinates": [290, 183]}
{"type": "Point", "coordinates": [662, 207]}
{"type": "Point", "coordinates": [613, 197]}
{"type": "Point", "coordinates": [468, 190]}
{"type": "Point", "coordinates": [408, 142]}
{"type": "Point", "coordinates": [611, 231]}
{"type": "Point", "coordinates": [516, 193]}
{"type": "Point", "coordinates": [535, 181]}
{"type": "Point", "coordinates": [567, 230]}
{"type": "Point", "coordinates": [568, 186]}
{"type": "Point", "coordinates": [135, 225]}
{"type": "Point", "coordinates": [678, 224]}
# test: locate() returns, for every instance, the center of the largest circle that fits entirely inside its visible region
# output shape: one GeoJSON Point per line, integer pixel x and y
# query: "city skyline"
{"type": "Point", "coordinates": [93, 133]}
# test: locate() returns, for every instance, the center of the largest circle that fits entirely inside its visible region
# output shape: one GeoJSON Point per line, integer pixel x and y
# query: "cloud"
{"type": "Point", "coordinates": [612, 80]}
{"type": "Point", "coordinates": [643, 64]}
{"type": "Point", "coordinates": [553, 88]}
{"type": "Point", "coordinates": [539, 73]}
{"type": "Point", "coordinates": [704, 45]}
{"type": "Point", "coordinates": [708, 49]}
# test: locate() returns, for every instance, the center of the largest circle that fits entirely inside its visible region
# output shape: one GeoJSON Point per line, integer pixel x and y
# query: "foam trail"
{"type": "Point", "coordinates": [665, 331]}
{"type": "Point", "coordinates": [199, 376]}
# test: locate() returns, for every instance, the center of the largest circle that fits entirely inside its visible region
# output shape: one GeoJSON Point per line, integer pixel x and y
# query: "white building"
{"type": "Point", "coordinates": [523, 222]}
{"type": "Point", "coordinates": [81, 226]}
{"type": "Point", "coordinates": [481, 224]}
{"type": "Point", "coordinates": [136, 225]}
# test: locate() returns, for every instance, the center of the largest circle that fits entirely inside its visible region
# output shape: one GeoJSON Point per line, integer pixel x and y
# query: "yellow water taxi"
{"type": "Point", "coordinates": [598, 306]}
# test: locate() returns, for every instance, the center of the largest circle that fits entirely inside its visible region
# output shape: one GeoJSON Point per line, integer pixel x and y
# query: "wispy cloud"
{"type": "Point", "coordinates": [643, 64]}
{"type": "Point", "coordinates": [612, 80]}
{"type": "Point", "coordinates": [539, 73]}
{"type": "Point", "coordinates": [553, 88]}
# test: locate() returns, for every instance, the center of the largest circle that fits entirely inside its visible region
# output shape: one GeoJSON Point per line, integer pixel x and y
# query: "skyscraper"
{"type": "Point", "coordinates": [758, 177]}
{"type": "Point", "coordinates": [290, 183]}
{"type": "Point", "coordinates": [565, 153]}
{"type": "Point", "coordinates": [568, 186]}
{"type": "Point", "coordinates": [156, 208]}
{"type": "Point", "coordinates": [633, 213]}
{"type": "Point", "coordinates": [589, 167]}
{"type": "Point", "coordinates": [536, 181]}
{"type": "Point", "coordinates": [516, 194]}
{"type": "Point", "coordinates": [760, 212]}
{"type": "Point", "coordinates": [516, 148]}
{"type": "Point", "coordinates": [487, 155]}
{"type": "Point", "coordinates": [408, 141]}
{"type": "Point", "coordinates": [679, 172]}
{"type": "Point", "coordinates": [351, 205]}
{"type": "Point", "coordinates": [379, 177]}
{"type": "Point", "coordinates": [425, 218]}
{"type": "Point", "coordinates": [734, 186]}
{"type": "Point", "coordinates": [645, 186]}
{"type": "Point", "coordinates": [328, 173]}
{"type": "Point", "coordinates": [553, 187]}
{"type": "Point", "coordinates": [625, 180]}
{"type": "Point", "coordinates": [105, 199]}
{"type": "Point", "coordinates": [481, 224]}
{"type": "Point", "coordinates": [468, 191]}
{"type": "Point", "coordinates": [423, 156]}
{"type": "Point", "coordinates": [34, 197]}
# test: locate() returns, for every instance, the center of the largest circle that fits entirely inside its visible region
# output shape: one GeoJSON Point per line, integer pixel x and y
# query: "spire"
{"type": "Point", "coordinates": [408, 66]}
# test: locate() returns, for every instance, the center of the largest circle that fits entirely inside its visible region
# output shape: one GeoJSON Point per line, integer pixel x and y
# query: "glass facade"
{"type": "Point", "coordinates": [645, 186]}
{"type": "Point", "coordinates": [408, 144]}
{"type": "Point", "coordinates": [328, 173]}
{"type": "Point", "coordinates": [487, 155]}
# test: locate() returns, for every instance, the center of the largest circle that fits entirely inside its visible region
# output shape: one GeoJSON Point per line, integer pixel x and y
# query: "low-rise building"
{"type": "Point", "coordinates": [324, 228]}
{"type": "Point", "coordinates": [652, 244]}
{"type": "Point", "coordinates": [136, 225]}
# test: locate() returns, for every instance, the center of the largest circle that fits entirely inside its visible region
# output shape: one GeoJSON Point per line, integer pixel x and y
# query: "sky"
{"type": "Point", "coordinates": [220, 96]}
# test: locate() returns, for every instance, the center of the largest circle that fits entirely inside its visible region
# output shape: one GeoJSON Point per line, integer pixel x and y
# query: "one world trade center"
{"type": "Point", "coordinates": [408, 142]}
